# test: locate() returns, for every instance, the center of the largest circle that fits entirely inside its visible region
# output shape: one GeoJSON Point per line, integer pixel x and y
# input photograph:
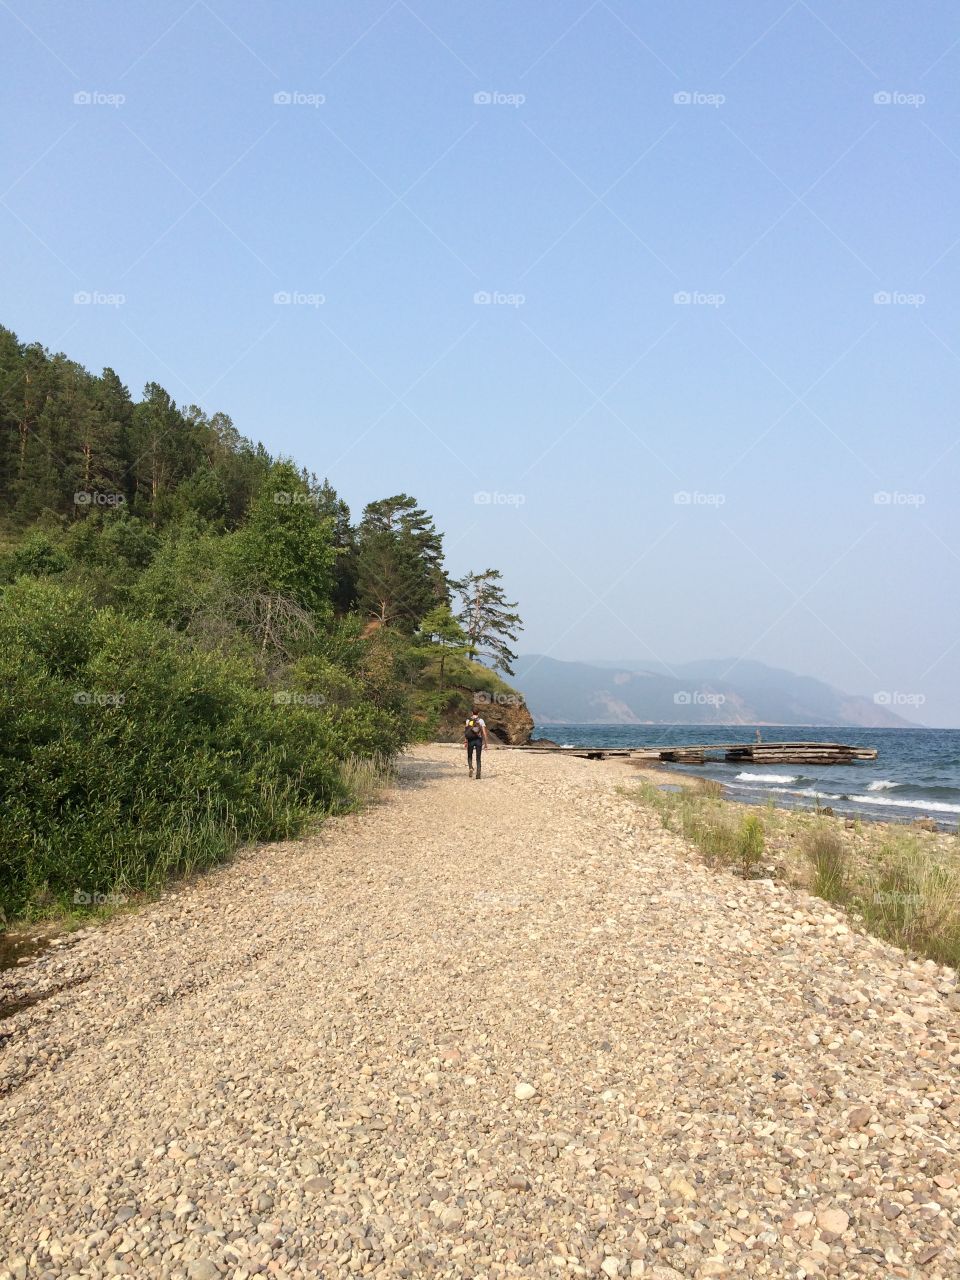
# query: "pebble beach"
{"type": "Point", "coordinates": [480, 1029]}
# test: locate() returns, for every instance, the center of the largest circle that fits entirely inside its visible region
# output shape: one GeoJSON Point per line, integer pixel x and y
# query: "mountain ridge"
{"type": "Point", "coordinates": [706, 691]}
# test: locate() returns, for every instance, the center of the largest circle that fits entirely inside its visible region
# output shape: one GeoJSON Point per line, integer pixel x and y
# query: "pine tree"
{"type": "Point", "coordinates": [444, 638]}
{"type": "Point", "coordinates": [488, 618]}
{"type": "Point", "coordinates": [400, 574]}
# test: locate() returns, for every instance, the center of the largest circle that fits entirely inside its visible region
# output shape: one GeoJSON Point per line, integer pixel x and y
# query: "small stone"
{"type": "Point", "coordinates": [890, 1209]}
{"type": "Point", "coordinates": [524, 1092]}
{"type": "Point", "coordinates": [202, 1269]}
{"type": "Point", "coordinates": [834, 1220]}
{"type": "Point", "coordinates": [518, 1183]}
{"type": "Point", "coordinates": [610, 1266]}
{"type": "Point", "coordinates": [859, 1116]}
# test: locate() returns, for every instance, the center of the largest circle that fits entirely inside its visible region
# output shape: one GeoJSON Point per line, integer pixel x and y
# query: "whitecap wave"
{"type": "Point", "coordinates": [882, 784]}
{"type": "Point", "coordinates": [766, 777]}
{"type": "Point", "coordinates": [928, 806]}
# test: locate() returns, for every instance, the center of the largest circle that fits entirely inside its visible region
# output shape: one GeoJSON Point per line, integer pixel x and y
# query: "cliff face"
{"type": "Point", "coordinates": [506, 717]}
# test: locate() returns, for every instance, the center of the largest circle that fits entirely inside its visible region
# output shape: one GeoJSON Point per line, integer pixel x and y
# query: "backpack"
{"type": "Point", "coordinates": [472, 732]}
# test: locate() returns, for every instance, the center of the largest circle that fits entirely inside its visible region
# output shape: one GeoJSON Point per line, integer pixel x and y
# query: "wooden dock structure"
{"type": "Point", "coordinates": [768, 753]}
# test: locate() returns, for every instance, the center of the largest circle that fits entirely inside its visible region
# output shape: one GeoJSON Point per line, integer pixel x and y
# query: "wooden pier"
{"type": "Point", "coordinates": [768, 753]}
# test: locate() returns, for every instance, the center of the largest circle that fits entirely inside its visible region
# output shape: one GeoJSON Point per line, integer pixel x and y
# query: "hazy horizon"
{"type": "Point", "coordinates": [653, 311]}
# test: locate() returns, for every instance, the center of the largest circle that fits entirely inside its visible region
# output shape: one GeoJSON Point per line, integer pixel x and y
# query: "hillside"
{"type": "Point", "coordinates": [710, 691]}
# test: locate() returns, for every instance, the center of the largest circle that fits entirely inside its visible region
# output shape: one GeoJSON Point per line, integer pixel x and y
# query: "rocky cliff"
{"type": "Point", "coordinates": [506, 717]}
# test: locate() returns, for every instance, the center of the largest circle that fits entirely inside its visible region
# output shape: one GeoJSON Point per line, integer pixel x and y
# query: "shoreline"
{"type": "Point", "coordinates": [413, 1054]}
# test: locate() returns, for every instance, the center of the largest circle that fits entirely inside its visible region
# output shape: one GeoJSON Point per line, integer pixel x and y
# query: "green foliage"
{"type": "Point", "coordinates": [285, 547]}
{"type": "Point", "coordinates": [400, 575]}
{"type": "Point", "coordinates": [197, 647]}
{"type": "Point", "coordinates": [129, 756]}
{"type": "Point", "coordinates": [488, 618]}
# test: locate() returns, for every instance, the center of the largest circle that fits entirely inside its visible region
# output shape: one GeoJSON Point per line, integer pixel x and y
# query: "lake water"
{"type": "Point", "coordinates": [916, 773]}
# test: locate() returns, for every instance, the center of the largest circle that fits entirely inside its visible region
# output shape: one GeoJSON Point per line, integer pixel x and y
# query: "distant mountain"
{"type": "Point", "coordinates": [712, 691]}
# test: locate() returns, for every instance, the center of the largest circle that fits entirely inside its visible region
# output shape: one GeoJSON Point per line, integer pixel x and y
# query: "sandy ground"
{"type": "Point", "coordinates": [483, 1029]}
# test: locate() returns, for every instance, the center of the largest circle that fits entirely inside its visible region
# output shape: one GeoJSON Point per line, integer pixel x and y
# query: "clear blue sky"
{"type": "Point", "coordinates": [782, 197]}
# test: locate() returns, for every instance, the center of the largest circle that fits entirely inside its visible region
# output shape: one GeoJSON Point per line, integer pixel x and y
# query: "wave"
{"type": "Point", "coordinates": [930, 806]}
{"type": "Point", "coordinates": [765, 777]}
{"type": "Point", "coordinates": [882, 784]}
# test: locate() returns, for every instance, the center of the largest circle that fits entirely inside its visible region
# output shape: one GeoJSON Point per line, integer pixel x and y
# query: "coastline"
{"type": "Point", "coordinates": [471, 1040]}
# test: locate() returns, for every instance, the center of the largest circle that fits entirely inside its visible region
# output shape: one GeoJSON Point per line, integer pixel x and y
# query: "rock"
{"type": "Point", "coordinates": [610, 1266]}
{"type": "Point", "coordinates": [524, 1092]}
{"type": "Point", "coordinates": [834, 1220]}
{"type": "Point", "coordinates": [859, 1116]}
{"type": "Point", "coordinates": [202, 1269]}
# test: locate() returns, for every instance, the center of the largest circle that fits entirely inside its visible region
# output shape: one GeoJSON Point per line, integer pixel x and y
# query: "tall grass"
{"type": "Point", "coordinates": [913, 900]}
{"type": "Point", "coordinates": [900, 889]}
{"type": "Point", "coordinates": [365, 778]}
{"type": "Point", "coordinates": [825, 852]}
{"type": "Point", "coordinates": [700, 816]}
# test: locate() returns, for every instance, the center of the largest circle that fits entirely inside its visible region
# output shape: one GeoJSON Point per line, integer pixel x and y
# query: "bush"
{"type": "Point", "coordinates": [128, 756]}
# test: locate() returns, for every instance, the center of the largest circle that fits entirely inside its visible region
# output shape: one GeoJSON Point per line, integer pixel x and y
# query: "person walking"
{"type": "Point", "coordinates": [474, 739]}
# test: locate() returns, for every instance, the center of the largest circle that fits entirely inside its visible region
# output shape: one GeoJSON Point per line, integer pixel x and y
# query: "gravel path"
{"type": "Point", "coordinates": [483, 1029]}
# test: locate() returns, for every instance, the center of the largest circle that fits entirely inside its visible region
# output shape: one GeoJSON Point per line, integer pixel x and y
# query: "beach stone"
{"type": "Point", "coordinates": [306, 1062]}
{"type": "Point", "coordinates": [834, 1220]}
{"type": "Point", "coordinates": [202, 1269]}
{"type": "Point", "coordinates": [525, 1091]}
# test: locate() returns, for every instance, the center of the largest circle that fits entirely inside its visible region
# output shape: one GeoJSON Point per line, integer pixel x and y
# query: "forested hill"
{"type": "Point", "coordinates": [198, 645]}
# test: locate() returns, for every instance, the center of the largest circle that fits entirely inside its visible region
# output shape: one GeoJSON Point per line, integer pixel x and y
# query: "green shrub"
{"type": "Point", "coordinates": [127, 755]}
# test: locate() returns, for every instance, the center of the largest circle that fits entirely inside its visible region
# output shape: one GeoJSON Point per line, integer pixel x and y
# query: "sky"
{"type": "Point", "coordinates": [653, 307]}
